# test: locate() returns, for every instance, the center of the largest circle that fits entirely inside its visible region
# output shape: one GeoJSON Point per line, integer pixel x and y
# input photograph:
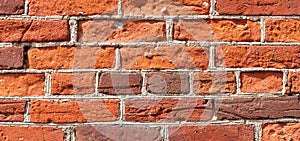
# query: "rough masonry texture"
{"type": "Point", "coordinates": [150, 70]}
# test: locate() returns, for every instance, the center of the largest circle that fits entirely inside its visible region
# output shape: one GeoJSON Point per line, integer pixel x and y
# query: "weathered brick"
{"type": "Point", "coordinates": [258, 56]}
{"type": "Point", "coordinates": [73, 83]}
{"type": "Point", "coordinates": [112, 132]}
{"type": "Point", "coordinates": [286, 30]}
{"type": "Point", "coordinates": [72, 7]}
{"type": "Point", "coordinates": [214, 82]}
{"type": "Point", "coordinates": [167, 110]}
{"type": "Point", "coordinates": [258, 108]}
{"type": "Point", "coordinates": [281, 132]}
{"type": "Point", "coordinates": [17, 84]}
{"type": "Point", "coordinates": [120, 83]}
{"type": "Point", "coordinates": [71, 57]}
{"type": "Point", "coordinates": [166, 7]}
{"type": "Point", "coordinates": [293, 83]}
{"type": "Point", "coordinates": [236, 132]}
{"type": "Point", "coordinates": [47, 31]}
{"type": "Point", "coordinates": [74, 111]}
{"type": "Point", "coordinates": [12, 110]}
{"type": "Point", "coordinates": [261, 7]}
{"type": "Point", "coordinates": [11, 57]}
{"type": "Point", "coordinates": [261, 82]}
{"type": "Point", "coordinates": [217, 30]}
{"type": "Point", "coordinates": [167, 83]}
{"type": "Point", "coordinates": [121, 31]}
{"type": "Point", "coordinates": [164, 58]}
{"type": "Point", "coordinates": [36, 133]}
{"type": "Point", "coordinates": [34, 31]}
{"type": "Point", "coordinates": [12, 6]}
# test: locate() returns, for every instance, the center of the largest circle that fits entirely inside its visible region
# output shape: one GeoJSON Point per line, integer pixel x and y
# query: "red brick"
{"type": "Point", "coordinates": [258, 56]}
{"type": "Point", "coordinates": [128, 31]}
{"type": "Point", "coordinates": [74, 111]}
{"type": "Point", "coordinates": [34, 31]}
{"type": "Point", "coordinates": [120, 83]}
{"type": "Point", "coordinates": [172, 7]}
{"type": "Point", "coordinates": [12, 110]}
{"type": "Point", "coordinates": [286, 30]}
{"type": "Point", "coordinates": [261, 82]}
{"type": "Point", "coordinates": [11, 57]}
{"type": "Point", "coordinates": [71, 57]}
{"type": "Point", "coordinates": [265, 7]}
{"type": "Point", "coordinates": [237, 132]}
{"type": "Point", "coordinates": [38, 133]}
{"type": "Point", "coordinates": [13, 30]}
{"type": "Point", "coordinates": [293, 83]}
{"type": "Point", "coordinates": [164, 58]}
{"type": "Point", "coordinates": [73, 83]}
{"type": "Point", "coordinates": [167, 110]}
{"type": "Point", "coordinates": [47, 31]}
{"type": "Point", "coordinates": [72, 7]}
{"type": "Point", "coordinates": [167, 83]}
{"type": "Point", "coordinates": [258, 108]}
{"type": "Point", "coordinates": [217, 30]}
{"type": "Point", "coordinates": [281, 131]}
{"type": "Point", "coordinates": [213, 83]}
{"type": "Point", "coordinates": [12, 6]}
{"type": "Point", "coordinates": [16, 84]}
{"type": "Point", "coordinates": [113, 132]}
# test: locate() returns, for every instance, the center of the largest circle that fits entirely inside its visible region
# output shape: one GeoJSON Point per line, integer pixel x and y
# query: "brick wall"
{"type": "Point", "coordinates": [178, 70]}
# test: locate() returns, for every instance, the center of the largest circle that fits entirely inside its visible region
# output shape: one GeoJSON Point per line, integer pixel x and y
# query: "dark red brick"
{"type": "Point", "coordinates": [236, 132]}
{"type": "Point", "coordinates": [167, 83]}
{"type": "Point", "coordinates": [167, 110]}
{"type": "Point", "coordinates": [11, 57]}
{"type": "Point", "coordinates": [113, 132]}
{"type": "Point", "coordinates": [12, 6]}
{"type": "Point", "coordinates": [120, 83]}
{"type": "Point", "coordinates": [258, 108]}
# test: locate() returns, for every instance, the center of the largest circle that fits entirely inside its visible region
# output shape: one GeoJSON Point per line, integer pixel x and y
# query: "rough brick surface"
{"type": "Point", "coordinates": [167, 110]}
{"type": "Point", "coordinates": [258, 108]}
{"type": "Point", "coordinates": [286, 30]}
{"type": "Point", "coordinates": [34, 31]}
{"type": "Point", "coordinates": [217, 30]}
{"type": "Point", "coordinates": [71, 7]}
{"type": "Point", "coordinates": [253, 7]}
{"type": "Point", "coordinates": [111, 132]}
{"type": "Point", "coordinates": [39, 133]}
{"type": "Point", "coordinates": [122, 31]}
{"type": "Point", "coordinates": [12, 6]}
{"type": "Point", "coordinates": [74, 111]}
{"type": "Point", "coordinates": [11, 57]}
{"type": "Point", "coordinates": [71, 57]}
{"type": "Point", "coordinates": [214, 83]}
{"type": "Point", "coordinates": [12, 110]}
{"type": "Point", "coordinates": [16, 84]}
{"type": "Point", "coordinates": [166, 7]}
{"type": "Point", "coordinates": [281, 131]}
{"type": "Point", "coordinates": [260, 82]}
{"type": "Point", "coordinates": [167, 83]}
{"type": "Point", "coordinates": [293, 83]}
{"type": "Point", "coordinates": [258, 56]}
{"type": "Point", "coordinates": [165, 58]}
{"type": "Point", "coordinates": [237, 132]}
{"type": "Point", "coordinates": [120, 83]}
{"type": "Point", "coordinates": [73, 83]}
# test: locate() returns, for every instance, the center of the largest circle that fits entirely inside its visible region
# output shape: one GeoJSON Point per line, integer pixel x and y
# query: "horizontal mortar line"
{"type": "Point", "coordinates": [75, 70]}
{"type": "Point", "coordinates": [90, 97]}
{"type": "Point", "coordinates": [176, 123]}
{"type": "Point", "coordinates": [154, 44]}
{"type": "Point", "coordinates": [144, 17]}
